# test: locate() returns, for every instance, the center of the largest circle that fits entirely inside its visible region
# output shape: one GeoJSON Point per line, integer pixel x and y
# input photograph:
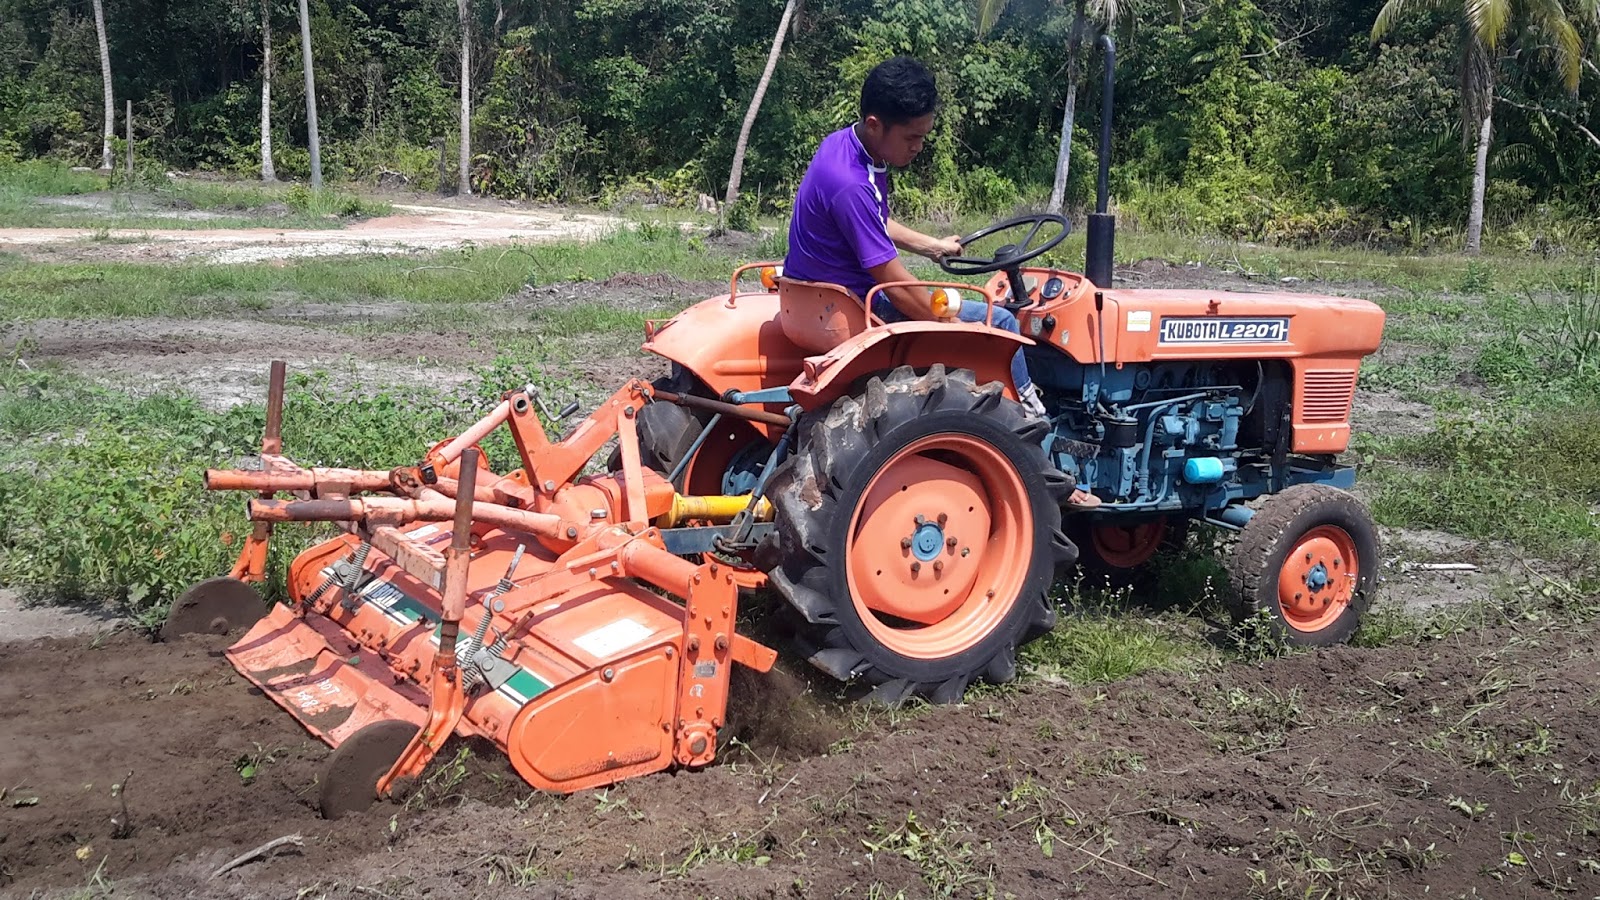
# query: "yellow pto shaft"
{"type": "Point", "coordinates": [715, 508]}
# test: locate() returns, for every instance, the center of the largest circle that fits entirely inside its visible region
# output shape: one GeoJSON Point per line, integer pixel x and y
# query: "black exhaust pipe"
{"type": "Point", "coordinates": [1102, 235]}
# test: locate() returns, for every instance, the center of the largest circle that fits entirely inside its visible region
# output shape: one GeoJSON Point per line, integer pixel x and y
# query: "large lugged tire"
{"type": "Point", "coordinates": [668, 430]}
{"type": "Point", "coordinates": [918, 534]}
{"type": "Point", "coordinates": [1309, 560]}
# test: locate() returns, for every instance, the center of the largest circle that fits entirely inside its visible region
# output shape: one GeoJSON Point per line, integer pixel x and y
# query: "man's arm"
{"type": "Point", "coordinates": [913, 241]}
{"type": "Point", "coordinates": [914, 302]}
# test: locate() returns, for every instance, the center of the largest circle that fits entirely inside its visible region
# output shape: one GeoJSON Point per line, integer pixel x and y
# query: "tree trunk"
{"type": "Point", "coordinates": [267, 172]}
{"type": "Point", "coordinates": [1058, 191]}
{"type": "Point", "coordinates": [737, 172]}
{"type": "Point", "coordinates": [1480, 180]}
{"type": "Point", "coordinates": [462, 10]}
{"type": "Point", "coordinates": [311, 98]}
{"type": "Point", "coordinates": [106, 159]}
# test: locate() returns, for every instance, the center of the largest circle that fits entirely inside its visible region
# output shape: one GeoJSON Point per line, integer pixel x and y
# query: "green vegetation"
{"type": "Point", "coordinates": [1270, 120]}
{"type": "Point", "coordinates": [31, 290]}
{"type": "Point", "coordinates": [108, 505]}
{"type": "Point", "coordinates": [46, 193]}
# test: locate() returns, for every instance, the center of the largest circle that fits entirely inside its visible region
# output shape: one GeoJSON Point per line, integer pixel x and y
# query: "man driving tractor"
{"type": "Point", "coordinates": [841, 231]}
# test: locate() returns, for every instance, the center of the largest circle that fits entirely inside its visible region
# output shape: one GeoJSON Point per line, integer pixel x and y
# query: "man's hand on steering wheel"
{"type": "Point", "coordinates": [944, 248]}
{"type": "Point", "coordinates": [1010, 255]}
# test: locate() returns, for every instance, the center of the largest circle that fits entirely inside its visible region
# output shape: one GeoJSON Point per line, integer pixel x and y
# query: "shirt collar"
{"type": "Point", "coordinates": [861, 151]}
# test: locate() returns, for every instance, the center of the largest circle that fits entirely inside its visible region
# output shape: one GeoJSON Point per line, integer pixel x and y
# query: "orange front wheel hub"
{"type": "Point", "coordinates": [1318, 578]}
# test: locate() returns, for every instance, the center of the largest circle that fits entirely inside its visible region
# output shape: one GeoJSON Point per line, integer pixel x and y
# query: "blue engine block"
{"type": "Point", "coordinates": [1190, 437]}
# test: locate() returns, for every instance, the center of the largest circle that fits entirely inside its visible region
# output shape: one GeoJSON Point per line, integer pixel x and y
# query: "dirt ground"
{"type": "Point", "coordinates": [1464, 767]}
{"type": "Point", "coordinates": [413, 227]}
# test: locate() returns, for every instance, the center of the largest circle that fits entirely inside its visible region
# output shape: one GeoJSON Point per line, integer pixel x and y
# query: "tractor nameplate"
{"type": "Point", "coordinates": [1214, 330]}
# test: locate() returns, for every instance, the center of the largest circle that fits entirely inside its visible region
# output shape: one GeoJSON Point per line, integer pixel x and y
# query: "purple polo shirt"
{"type": "Point", "coordinates": [840, 227]}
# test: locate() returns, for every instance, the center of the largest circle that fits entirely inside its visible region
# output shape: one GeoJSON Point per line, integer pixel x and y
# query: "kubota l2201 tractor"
{"type": "Point", "coordinates": [882, 478]}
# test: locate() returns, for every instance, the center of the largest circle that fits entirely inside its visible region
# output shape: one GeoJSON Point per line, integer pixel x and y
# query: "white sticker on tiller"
{"type": "Point", "coordinates": [609, 640]}
{"type": "Point", "coordinates": [1138, 320]}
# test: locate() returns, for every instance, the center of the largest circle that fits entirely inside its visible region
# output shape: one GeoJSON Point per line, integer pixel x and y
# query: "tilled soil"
{"type": "Point", "coordinates": [1464, 767]}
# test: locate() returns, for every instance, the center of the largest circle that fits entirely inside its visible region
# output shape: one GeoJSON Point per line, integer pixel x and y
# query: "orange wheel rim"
{"type": "Point", "coordinates": [1318, 578]}
{"type": "Point", "coordinates": [1128, 546]}
{"type": "Point", "coordinates": [939, 546]}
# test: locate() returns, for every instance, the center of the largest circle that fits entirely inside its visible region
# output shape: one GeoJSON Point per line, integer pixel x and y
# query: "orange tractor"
{"type": "Point", "coordinates": [881, 479]}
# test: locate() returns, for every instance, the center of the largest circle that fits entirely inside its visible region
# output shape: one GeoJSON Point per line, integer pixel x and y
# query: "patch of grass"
{"type": "Point", "coordinates": [595, 318]}
{"type": "Point", "coordinates": [43, 178]}
{"type": "Point", "coordinates": [1244, 721]}
{"type": "Point", "coordinates": [108, 505]}
{"type": "Point", "coordinates": [114, 290]}
{"type": "Point", "coordinates": [1096, 648]}
{"type": "Point", "coordinates": [1532, 479]}
{"type": "Point", "coordinates": [947, 858]}
{"type": "Point", "coordinates": [155, 200]}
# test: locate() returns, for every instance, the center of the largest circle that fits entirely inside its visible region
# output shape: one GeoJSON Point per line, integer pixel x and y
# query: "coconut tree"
{"type": "Point", "coordinates": [1089, 17]}
{"type": "Point", "coordinates": [1490, 32]}
{"type": "Point", "coordinates": [267, 171]}
{"type": "Point", "coordinates": [739, 147]}
{"type": "Point", "coordinates": [311, 97]}
{"type": "Point", "coordinates": [105, 77]}
{"type": "Point", "coordinates": [463, 15]}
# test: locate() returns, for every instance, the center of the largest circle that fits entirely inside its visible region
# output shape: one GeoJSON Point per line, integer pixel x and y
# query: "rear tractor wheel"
{"type": "Point", "coordinates": [727, 461]}
{"type": "Point", "coordinates": [1116, 555]}
{"type": "Point", "coordinates": [1308, 560]}
{"type": "Point", "coordinates": [918, 534]}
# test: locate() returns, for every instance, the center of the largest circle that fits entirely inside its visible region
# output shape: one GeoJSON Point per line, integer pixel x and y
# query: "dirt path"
{"type": "Point", "coordinates": [415, 228]}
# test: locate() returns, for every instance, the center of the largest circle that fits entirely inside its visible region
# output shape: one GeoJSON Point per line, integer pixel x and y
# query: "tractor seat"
{"type": "Point", "coordinates": [817, 316]}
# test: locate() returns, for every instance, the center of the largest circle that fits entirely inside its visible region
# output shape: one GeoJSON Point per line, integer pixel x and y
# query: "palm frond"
{"type": "Point", "coordinates": [1488, 20]}
{"type": "Point", "coordinates": [1108, 12]}
{"type": "Point", "coordinates": [986, 13]}
{"type": "Point", "coordinates": [1386, 16]}
{"type": "Point", "coordinates": [1549, 18]}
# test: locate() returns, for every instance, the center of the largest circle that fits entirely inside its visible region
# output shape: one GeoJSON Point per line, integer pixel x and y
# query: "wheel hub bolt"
{"type": "Point", "coordinates": [938, 566]}
{"type": "Point", "coordinates": [921, 520]}
{"type": "Point", "coordinates": [950, 542]}
{"type": "Point", "coordinates": [905, 543]}
{"type": "Point", "coordinates": [943, 518]}
{"type": "Point", "coordinates": [916, 567]}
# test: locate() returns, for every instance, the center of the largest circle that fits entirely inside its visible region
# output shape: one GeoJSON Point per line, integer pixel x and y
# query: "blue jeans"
{"type": "Point", "coordinates": [971, 311]}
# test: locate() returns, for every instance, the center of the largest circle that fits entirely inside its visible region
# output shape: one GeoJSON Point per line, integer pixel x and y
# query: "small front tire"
{"type": "Point", "coordinates": [1308, 560]}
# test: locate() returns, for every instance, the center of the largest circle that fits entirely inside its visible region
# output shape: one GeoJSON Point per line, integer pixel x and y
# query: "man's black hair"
{"type": "Point", "coordinates": [898, 90]}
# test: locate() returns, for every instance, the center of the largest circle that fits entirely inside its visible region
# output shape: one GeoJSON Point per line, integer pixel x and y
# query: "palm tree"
{"type": "Point", "coordinates": [1088, 17]}
{"type": "Point", "coordinates": [462, 14]}
{"type": "Point", "coordinates": [311, 98]}
{"type": "Point", "coordinates": [267, 172]}
{"type": "Point", "coordinates": [105, 76]}
{"type": "Point", "coordinates": [739, 147]}
{"type": "Point", "coordinates": [1489, 28]}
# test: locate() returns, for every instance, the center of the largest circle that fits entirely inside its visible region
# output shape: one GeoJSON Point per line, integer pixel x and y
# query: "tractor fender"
{"type": "Point", "coordinates": [919, 344]}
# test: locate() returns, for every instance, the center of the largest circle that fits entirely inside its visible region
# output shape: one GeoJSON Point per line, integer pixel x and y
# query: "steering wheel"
{"type": "Point", "coordinates": [1009, 257]}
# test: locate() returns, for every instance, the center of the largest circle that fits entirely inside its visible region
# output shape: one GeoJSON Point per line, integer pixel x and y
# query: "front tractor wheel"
{"type": "Point", "coordinates": [918, 534]}
{"type": "Point", "coordinates": [1308, 560]}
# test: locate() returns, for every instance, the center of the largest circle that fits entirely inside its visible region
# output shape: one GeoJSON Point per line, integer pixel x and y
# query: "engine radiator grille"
{"type": "Point", "coordinates": [1328, 395]}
